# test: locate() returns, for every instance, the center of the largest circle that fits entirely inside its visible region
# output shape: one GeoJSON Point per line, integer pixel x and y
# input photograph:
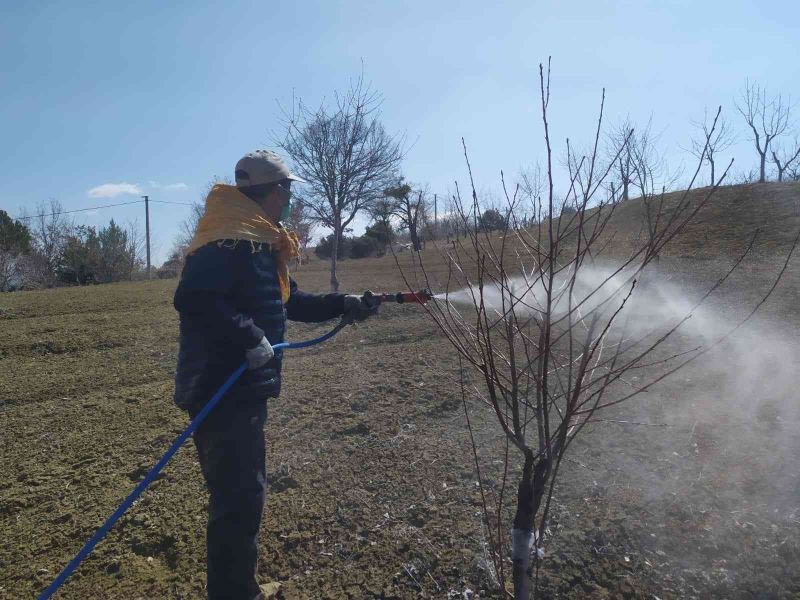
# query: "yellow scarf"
{"type": "Point", "coordinates": [230, 215]}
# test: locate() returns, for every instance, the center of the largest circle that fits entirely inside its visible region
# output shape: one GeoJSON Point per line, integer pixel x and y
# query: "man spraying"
{"type": "Point", "coordinates": [234, 297]}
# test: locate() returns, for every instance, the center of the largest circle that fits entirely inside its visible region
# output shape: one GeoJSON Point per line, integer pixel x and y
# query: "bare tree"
{"type": "Point", "coordinates": [136, 246]}
{"type": "Point", "coordinates": [50, 228]}
{"type": "Point", "coordinates": [549, 344]}
{"type": "Point", "coordinates": [767, 119]}
{"type": "Point", "coordinates": [15, 245]}
{"type": "Point", "coordinates": [785, 158]}
{"type": "Point", "coordinates": [449, 225]}
{"type": "Point", "coordinates": [345, 154]}
{"type": "Point", "coordinates": [189, 225]}
{"type": "Point", "coordinates": [531, 185]}
{"type": "Point", "coordinates": [621, 156]}
{"type": "Point", "coordinates": [648, 164]}
{"type": "Point", "coordinates": [410, 207]}
{"type": "Point", "coordinates": [300, 223]}
{"type": "Point", "coordinates": [638, 162]}
{"type": "Point", "coordinates": [10, 270]}
{"type": "Point", "coordinates": [707, 148]}
{"type": "Point", "coordinates": [745, 177]}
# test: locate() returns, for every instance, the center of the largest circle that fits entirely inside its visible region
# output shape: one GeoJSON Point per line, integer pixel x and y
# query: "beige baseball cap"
{"type": "Point", "coordinates": [260, 167]}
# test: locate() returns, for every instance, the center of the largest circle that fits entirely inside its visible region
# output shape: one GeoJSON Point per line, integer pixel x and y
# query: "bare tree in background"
{"type": "Point", "coordinates": [449, 226]}
{"type": "Point", "coordinates": [10, 270]}
{"type": "Point", "coordinates": [15, 248]}
{"type": "Point", "coordinates": [189, 225]}
{"type": "Point", "coordinates": [785, 158]}
{"type": "Point", "coordinates": [300, 223]}
{"type": "Point", "coordinates": [50, 228]}
{"type": "Point", "coordinates": [722, 139]}
{"type": "Point", "coordinates": [346, 156]}
{"type": "Point", "coordinates": [745, 177]}
{"type": "Point", "coordinates": [767, 119]}
{"type": "Point", "coordinates": [620, 156]}
{"type": "Point", "coordinates": [531, 185]}
{"type": "Point", "coordinates": [638, 164]}
{"type": "Point", "coordinates": [549, 345]}
{"type": "Point", "coordinates": [652, 179]}
{"type": "Point", "coordinates": [647, 166]}
{"type": "Point", "coordinates": [410, 207]}
{"type": "Point", "coordinates": [136, 247]}
{"type": "Point", "coordinates": [455, 223]}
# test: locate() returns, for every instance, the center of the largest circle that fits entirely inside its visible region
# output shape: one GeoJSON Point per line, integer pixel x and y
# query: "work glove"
{"type": "Point", "coordinates": [260, 355]}
{"type": "Point", "coordinates": [357, 309]}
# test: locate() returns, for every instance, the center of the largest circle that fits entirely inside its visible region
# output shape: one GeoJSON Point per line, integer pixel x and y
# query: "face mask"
{"type": "Point", "coordinates": [286, 211]}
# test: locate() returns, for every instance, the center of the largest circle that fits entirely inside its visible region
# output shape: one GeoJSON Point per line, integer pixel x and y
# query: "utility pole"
{"type": "Point", "coordinates": [147, 230]}
{"type": "Point", "coordinates": [435, 218]}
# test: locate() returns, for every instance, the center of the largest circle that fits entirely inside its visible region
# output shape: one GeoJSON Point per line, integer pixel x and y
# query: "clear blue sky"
{"type": "Point", "coordinates": [164, 95]}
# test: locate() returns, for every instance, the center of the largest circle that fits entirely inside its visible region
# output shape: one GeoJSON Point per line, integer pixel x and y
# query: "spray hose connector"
{"type": "Point", "coordinates": [419, 297]}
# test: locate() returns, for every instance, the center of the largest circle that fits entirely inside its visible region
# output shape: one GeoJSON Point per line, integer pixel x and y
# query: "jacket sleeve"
{"type": "Point", "coordinates": [209, 276]}
{"type": "Point", "coordinates": [313, 308]}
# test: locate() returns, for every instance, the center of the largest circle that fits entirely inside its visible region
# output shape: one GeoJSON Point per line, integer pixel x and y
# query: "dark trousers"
{"type": "Point", "coordinates": [230, 445]}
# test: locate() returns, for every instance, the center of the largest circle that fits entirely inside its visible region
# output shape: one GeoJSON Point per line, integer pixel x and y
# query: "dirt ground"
{"type": "Point", "coordinates": [372, 482]}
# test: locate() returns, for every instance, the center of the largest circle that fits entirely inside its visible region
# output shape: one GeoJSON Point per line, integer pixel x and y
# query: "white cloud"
{"type": "Point", "coordinates": [169, 187]}
{"type": "Point", "coordinates": [112, 190]}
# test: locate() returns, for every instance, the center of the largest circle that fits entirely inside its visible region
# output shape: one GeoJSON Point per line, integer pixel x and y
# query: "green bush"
{"type": "Point", "coordinates": [364, 246]}
{"type": "Point", "coordinates": [323, 249]}
{"type": "Point", "coordinates": [350, 247]}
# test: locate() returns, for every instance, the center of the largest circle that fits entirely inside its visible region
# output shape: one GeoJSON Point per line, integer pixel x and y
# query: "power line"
{"type": "Point", "coordinates": [170, 202]}
{"type": "Point", "coordinates": [65, 212]}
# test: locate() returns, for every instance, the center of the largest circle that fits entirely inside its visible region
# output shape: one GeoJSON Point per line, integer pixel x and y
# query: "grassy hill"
{"type": "Point", "coordinates": [725, 225]}
{"type": "Point", "coordinates": [722, 229]}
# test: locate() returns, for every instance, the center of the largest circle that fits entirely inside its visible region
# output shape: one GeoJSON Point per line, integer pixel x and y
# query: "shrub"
{"type": "Point", "coordinates": [323, 249]}
{"type": "Point", "coordinates": [364, 246]}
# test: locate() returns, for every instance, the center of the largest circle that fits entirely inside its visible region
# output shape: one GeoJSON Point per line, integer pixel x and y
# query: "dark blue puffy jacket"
{"type": "Point", "coordinates": [228, 298]}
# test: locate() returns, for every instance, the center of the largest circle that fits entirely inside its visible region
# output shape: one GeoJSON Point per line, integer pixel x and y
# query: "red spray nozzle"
{"type": "Point", "coordinates": [420, 297]}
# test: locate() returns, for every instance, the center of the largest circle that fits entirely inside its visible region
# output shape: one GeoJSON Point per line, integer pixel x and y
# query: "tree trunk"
{"type": "Point", "coordinates": [529, 498]}
{"type": "Point", "coordinates": [334, 257]}
{"type": "Point", "coordinates": [521, 544]}
{"type": "Point", "coordinates": [435, 218]}
{"type": "Point", "coordinates": [412, 232]}
{"type": "Point", "coordinates": [762, 176]}
{"type": "Point", "coordinates": [340, 244]}
{"type": "Point", "coordinates": [624, 177]}
{"type": "Point", "coordinates": [711, 162]}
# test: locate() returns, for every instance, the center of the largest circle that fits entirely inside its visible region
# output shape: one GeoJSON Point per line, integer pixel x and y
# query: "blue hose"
{"type": "Point", "coordinates": [151, 475]}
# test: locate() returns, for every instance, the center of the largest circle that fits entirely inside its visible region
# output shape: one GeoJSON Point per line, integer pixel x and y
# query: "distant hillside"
{"type": "Point", "coordinates": [722, 229]}
{"type": "Point", "coordinates": [725, 225]}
